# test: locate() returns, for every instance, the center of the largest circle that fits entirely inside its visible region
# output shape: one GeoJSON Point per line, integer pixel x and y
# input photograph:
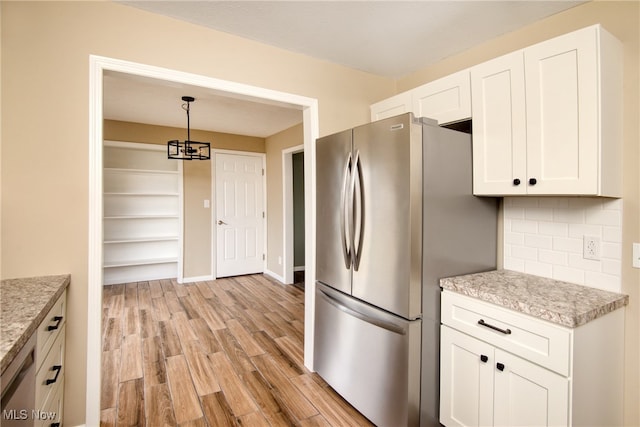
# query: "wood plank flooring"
{"type": "Point", "coordinates": [227, 352]}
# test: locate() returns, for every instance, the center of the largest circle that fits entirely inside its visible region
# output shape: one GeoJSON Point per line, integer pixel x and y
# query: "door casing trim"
{"type": "Point", "coordinates": [98, 65]}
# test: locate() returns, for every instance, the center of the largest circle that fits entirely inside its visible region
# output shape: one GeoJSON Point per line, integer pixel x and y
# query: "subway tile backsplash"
{"type": "Point", "coordinates": [544, 236]}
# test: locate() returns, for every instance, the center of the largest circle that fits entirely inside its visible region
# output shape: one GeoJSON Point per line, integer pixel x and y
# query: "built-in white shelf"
{"type": "Point", "coordinates": [142, 213]}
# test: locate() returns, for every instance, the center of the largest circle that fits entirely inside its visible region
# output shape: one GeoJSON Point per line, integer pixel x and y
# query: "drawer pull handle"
{"type": "Point", "coordinates": [481, 322]}
{"type": "Point", "coordinates": [58, 320]}
{"type": "Point", "coordinates": [500, 366]}
{"type": "Point", "coordinates": [484, 358]}
{"type": "Point", "coordinates": [56, 368]}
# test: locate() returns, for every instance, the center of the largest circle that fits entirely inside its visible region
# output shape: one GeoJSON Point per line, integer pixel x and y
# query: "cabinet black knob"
{"type": "Point", "coordinates": [484, 358]}
{"type": "Point", "coordinates": [500, 366]}
{"type": "Point", "coordinates": [516, 181]}
{"type": "Point", "coordinates": [533, 181]}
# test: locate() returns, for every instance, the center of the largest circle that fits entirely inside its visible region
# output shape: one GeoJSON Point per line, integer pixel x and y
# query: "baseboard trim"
{"type": "Point", "coordinates": [274, 276]}
{"type": "Point", "coordinates": [196, 279]}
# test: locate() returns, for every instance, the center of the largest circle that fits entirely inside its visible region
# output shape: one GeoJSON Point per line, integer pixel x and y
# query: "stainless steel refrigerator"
{"type": "Point", "coordinates": [395, 213]}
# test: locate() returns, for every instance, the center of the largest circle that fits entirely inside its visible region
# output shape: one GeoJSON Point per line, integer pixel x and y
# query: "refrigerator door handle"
{"type": "Point", "coordinates": [345, 210]}
{"type": "Point", "coordinates": [358, 211]}
{"type": "Point", "coordinates": [364, 317]}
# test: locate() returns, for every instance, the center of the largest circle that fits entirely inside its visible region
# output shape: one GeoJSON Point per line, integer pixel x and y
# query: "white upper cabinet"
{"type": "Point", "coordinates": [446, 100]}
{"type": "Point", "coordinates": [547, 119]}
{"type": "Point", "coordinates": [499, 126]}
{"type": "Point", "coordinates": [398, 104]}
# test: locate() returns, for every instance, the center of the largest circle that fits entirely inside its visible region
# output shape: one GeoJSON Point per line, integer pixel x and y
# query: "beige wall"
{"type": "Point", "coordinates": [622, 19]}
{"type": "Point", "coordinates": [275, 224]}
{"type": "Point", "coordinates": [45, 126]}
{"type": "Point", "coordinates": [197, 182]}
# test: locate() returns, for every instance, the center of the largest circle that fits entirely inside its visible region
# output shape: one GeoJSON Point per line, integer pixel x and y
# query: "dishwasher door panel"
{"type": "Point", "coordinates": [18, 383]}
{"type": "Point", "coordinates": [369, 356]}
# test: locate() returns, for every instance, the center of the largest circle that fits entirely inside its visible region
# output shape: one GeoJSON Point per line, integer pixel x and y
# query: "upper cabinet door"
{"type": "Point", "coordinates": [446, 100]}
{"type": "Point", "coordinates": [571, 134]}
{"type": "Point", "coordinates": [398, 104]}
{"type": "Point", "coordinates": [562, 114]}
{"type": "Point", "coordinates": [499, 126]}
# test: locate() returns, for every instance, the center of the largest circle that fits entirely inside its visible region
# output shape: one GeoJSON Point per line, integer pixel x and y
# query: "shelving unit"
{"type": "Point", "coordinates": [142, 213]}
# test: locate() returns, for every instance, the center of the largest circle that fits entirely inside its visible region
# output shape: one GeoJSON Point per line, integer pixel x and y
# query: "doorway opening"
{"type": "Point", "coordinates": [294, 259]}
{"type": "Point", "coordinates": [98, 65]}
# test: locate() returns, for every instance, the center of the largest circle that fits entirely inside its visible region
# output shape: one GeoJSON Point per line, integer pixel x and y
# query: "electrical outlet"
{"type": "Point", "coordinates": [591, 247]}
{"type": "Point", "coordinates": [636, 255]}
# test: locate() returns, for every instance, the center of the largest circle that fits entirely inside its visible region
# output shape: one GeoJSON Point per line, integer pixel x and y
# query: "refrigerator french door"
{"type": "Point", "coordinates": [368, 267]}
{"type": "Point", "coordinates": [369, 214]}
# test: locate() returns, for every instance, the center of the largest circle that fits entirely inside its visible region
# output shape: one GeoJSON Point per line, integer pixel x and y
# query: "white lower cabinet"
{"type": "Point", "coordinates": [50, 366]}
{"type": "Point", "coordinates": [527, 394]}
{"type": "Point", "coordinates": [499, 367]}
{"type": "Point", "coordinates": [486, 386]}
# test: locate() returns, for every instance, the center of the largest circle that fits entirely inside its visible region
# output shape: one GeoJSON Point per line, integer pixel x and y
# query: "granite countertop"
{"type": "Point", "coordinates": [563, 303]}
{"type": "Point", "coordinates": [23, 305]}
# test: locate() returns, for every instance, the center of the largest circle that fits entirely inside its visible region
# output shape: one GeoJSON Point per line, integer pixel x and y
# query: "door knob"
{"type": "Point", "coordinates": [220, 222]}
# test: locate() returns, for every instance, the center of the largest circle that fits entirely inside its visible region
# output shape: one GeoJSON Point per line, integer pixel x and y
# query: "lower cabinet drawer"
{"type": "Point", "coordinates": [51, 373]}
{"type": "Point", "coordinates": [49, 328]}
{"type": "Point", "coordinates": [50, 415]}
{"type": "Point", "coordinates": [541, 342]}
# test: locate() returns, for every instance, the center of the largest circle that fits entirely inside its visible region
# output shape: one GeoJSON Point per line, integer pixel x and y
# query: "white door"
{"type": "Point", "coordinates": [240, 214]}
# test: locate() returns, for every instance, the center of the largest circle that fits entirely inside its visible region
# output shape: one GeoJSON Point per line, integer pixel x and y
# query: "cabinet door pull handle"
{"type": "Point", "coordinates": [58, 320]}
{"type": "Point", "coordinates": [56, 368]}
{"type": "Point", "coordinates": [516, 181]}
{"type": "Point", "coordinates": [533, 181]}
{"type": "Point", "coordinates": [500, 366]}
{"type": "Point", "coordinates": [481, 322]}
{"type": "Point", "coordinates": [484, 358]}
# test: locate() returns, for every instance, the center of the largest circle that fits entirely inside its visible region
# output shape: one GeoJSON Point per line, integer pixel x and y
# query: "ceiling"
{"type": "Point", "coordinates": [388, 38]}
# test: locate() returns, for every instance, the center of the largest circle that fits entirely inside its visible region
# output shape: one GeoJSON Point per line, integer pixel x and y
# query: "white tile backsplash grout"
{"type": "Point", "coordinates": [544, 236]}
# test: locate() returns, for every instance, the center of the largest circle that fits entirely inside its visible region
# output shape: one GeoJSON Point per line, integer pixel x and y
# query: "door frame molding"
{"type": "Point", "coordinates": [287, 211]}
{"type": "Point", "coordinates": [98, 65]}
{"type": "Point", "coordinates": [214, 206]}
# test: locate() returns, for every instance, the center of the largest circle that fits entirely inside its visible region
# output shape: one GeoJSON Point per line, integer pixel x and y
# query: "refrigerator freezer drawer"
{"type": "Point", "coordinates": [370, 357]}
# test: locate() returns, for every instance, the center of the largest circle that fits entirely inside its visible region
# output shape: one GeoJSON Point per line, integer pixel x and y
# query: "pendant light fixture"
{"type": "Point", "coordinates": [188, 150]}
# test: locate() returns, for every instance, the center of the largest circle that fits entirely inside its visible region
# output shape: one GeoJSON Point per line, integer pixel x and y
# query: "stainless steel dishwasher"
{"type": "Point", "coordinates": [18, 384]}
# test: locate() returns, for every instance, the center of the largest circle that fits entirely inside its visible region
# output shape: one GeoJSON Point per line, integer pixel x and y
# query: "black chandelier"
{"type": "Point", "coordinates": [188, 150]}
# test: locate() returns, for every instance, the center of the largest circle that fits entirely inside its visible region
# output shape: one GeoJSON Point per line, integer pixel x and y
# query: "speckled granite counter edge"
{"type": "Point", "coordinates": [32, 327]}
{"type": "Point", "coordinates": [465, 285]}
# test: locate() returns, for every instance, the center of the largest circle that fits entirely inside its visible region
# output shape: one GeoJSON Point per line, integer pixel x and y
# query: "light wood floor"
{"type": "Point", "coordinates": [218, 353]}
